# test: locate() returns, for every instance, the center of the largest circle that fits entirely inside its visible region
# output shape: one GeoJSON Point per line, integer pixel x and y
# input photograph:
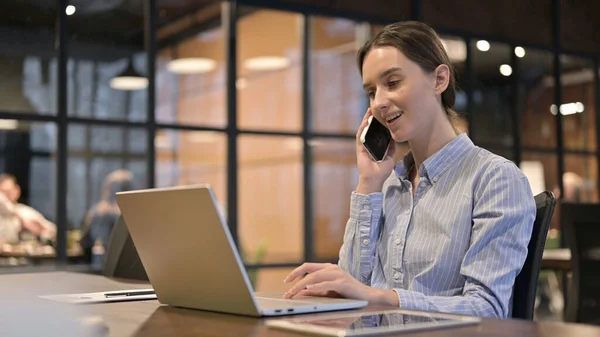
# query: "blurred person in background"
{"type": "Point", "coordinates": [17, 218]}
{"type": "Point", "coordinates": [100, 219]}
{"type": "Point", "coordinates": [573, 188]}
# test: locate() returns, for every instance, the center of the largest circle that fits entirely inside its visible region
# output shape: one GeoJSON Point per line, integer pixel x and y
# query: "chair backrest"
{"type": "Point", "coordinates": [121, 258]}
{"type": "Point", "coordinates": [525, 286]}
{"type": "Point", "coordinates": [581, 224]}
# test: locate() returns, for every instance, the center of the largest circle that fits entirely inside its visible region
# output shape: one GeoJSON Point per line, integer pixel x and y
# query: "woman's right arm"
{"type": "Point", "coordinates": [357, 254]}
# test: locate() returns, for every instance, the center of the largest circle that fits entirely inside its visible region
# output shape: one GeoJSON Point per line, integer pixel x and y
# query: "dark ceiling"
{"type": "Point", "coordinates": [111, 29]}
{"type": "Point", "coordinates": [98, 29]}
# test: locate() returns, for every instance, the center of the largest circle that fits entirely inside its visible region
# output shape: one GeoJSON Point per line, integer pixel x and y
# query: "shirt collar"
{"type": "Point", "coordinates": [434, 166]}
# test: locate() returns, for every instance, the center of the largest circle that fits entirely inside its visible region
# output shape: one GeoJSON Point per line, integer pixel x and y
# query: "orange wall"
{"type": "Point", "coordinates": [270, 201]}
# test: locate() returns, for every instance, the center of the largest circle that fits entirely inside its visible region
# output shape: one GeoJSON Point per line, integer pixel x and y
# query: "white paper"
{"type": "Point", "coordinates": [99, 297]}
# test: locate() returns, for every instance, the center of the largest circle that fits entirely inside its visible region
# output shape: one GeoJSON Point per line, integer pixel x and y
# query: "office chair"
{"type": "Point", "coordinates": [122, 259]}
{"type": "Point", "coordinates": [581, 224]}
{"type": "Point", "coordinates": [524, 289]}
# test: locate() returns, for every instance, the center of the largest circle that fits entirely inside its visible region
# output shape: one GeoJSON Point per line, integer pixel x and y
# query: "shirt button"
{"type": "Point", "coordinates": [435, 179]}
{"type": "Point", "coordinates": [366, 207]}
{"type": "Point", "coordinates": [396, 276]}
{"type": "Point", "coordinates": [397, 242]}
{"type": "Point", "coordinates": [365, 242]}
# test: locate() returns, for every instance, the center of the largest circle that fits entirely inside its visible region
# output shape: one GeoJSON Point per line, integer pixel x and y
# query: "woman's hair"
{"type": "Point", "coordinates": [421, 44]}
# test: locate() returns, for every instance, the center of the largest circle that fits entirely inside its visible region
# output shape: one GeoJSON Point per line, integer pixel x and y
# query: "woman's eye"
{"type": "Point", "coordinates": [371, 94]}
{"type": "Point", "coordinates": [393, 83]}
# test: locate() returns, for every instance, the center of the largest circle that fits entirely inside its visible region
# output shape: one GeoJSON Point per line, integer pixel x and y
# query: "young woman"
{"type": "Point", "coordinates": [447, 227]}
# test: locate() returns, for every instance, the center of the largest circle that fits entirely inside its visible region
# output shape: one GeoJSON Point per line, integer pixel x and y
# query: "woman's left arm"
{"type": "Point", "coordinates": [503, 215]}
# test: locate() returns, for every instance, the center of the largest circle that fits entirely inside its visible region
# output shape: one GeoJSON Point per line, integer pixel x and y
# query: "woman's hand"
{"type": "Point", "coordinates": [326, 279]}
{"type": "Point", "coordinates": [372, 174]}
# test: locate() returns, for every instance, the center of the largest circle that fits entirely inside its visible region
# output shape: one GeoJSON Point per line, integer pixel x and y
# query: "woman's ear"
{"type": "Point", "coordinates": [442, 78]}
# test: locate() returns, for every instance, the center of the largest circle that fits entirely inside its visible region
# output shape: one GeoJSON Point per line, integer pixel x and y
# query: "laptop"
{"type": "Point", "coordinates": [191, 260]}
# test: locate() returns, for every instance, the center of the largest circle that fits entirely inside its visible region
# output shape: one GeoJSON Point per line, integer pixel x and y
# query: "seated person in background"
{"type": "Point", "coordinates": [447, 227]}
{"type": "Point", "coordinates": [573, 188]}
{"type": "Point", "coordinates": [16, 217]}
{"type": "Point", "coordinates": [101, 218]}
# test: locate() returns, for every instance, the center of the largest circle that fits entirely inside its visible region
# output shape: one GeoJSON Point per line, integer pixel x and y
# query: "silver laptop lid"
{"type": "Point", "coordinates": [187, 249]}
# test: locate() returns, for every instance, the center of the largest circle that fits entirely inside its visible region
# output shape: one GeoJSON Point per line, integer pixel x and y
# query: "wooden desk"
{"type": "Point", "coordinates": [149, 318]}
{"type": "Point", "coordinates": [557, 259]}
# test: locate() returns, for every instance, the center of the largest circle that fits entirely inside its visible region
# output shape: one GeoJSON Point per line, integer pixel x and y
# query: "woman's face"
{"type": "Point", "coordinates": [402, 96]}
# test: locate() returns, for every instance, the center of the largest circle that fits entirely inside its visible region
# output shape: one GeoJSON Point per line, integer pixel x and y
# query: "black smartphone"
{"type": "Point", "coordinates": [376, 139]}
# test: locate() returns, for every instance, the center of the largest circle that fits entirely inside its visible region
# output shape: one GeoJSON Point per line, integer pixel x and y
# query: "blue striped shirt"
{"type": "Point", "coordinates": [455, 247]}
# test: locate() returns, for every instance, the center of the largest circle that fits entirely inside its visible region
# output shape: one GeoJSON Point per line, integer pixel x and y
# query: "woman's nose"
{"type": "Point", "coordinates": [381, 103]}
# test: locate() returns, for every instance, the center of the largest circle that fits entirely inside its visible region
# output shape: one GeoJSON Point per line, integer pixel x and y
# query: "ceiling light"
{"type": "Point", "coordinates": [264, 63]}
{"type": "Point", "coordinates": [483, 45]}
{"type": "Point", "coordinates": [568, 108]}
{"type": "Point", "coordinates": [192, 65]}
{"type": "Point", "coordinates": [70, 10]}
{"type": "Point", "coordinates": [520, 51]}
{"type": "Point", "coordinates": [571, 108]}
{"type": "Point", "coordinates": [129, 83]}
{"type": "Point", "coordinates": [129, 79]}
{"type": "Point", "coordinates": [8, 124]}
{"type": "Point", "coordinates": [505, 70]}
{"type": "Point", "coordinates": [456, 49]}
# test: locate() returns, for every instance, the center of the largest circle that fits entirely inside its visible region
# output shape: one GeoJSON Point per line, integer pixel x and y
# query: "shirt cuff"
{"type": "Point", "coordinates": [411, 300]}
{"type": "Point", "coordinates": [363, 206]}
